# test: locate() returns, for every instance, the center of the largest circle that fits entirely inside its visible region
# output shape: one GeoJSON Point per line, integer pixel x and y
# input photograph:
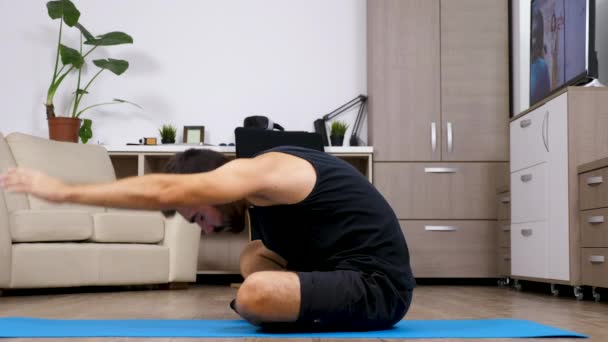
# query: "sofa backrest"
{"type": "Point", "coordinates": [13, 201]}
{"type": "Point", "coordinates": [70, 162]}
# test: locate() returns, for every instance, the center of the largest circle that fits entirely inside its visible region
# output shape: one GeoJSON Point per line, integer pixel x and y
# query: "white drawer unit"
{"type": "Point", "coordinates": [540, 235]}
{"type": "Point", "coordinates": [529, 256]}
{"type": "Point", "coordinates": [529, 187]}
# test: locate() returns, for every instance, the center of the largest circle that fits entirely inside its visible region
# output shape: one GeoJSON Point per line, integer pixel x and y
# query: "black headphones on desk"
{"type": "Point", "coordinates": [262, 122]}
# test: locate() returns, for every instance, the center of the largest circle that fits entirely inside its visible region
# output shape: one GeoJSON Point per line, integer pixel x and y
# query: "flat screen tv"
{"type": "Point", "coordinates": [563, 44]}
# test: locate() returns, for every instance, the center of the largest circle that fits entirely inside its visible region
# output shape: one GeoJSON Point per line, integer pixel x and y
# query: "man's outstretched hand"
{"type": "Point", "coordinates": [35, 183]}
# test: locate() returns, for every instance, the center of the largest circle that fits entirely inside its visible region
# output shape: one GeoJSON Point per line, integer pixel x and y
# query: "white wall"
{"type": "Point", "coordinates": [193, 62]}
{"type": "Point", "coordinates": [520, 35]}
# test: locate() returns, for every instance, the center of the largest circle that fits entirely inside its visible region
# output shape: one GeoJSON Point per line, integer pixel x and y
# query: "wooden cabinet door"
{"type": "Point", "coordinates": [474, 80]}
{"type": "Point", "coordinates": [403, 79]}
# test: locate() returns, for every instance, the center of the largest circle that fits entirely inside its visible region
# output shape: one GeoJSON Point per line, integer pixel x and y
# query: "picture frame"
{"type": "Point", "coordinates": [194, 134]}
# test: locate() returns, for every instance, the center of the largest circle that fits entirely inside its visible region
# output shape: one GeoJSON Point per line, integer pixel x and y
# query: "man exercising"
{"type": "Point", "coordinates": [331, 254]}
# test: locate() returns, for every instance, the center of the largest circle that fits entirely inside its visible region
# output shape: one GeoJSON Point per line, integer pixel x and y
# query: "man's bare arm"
{"type": "Point", "coordinates": [233, 181]}
{"type": "Point", "coordinates": [276, 177]}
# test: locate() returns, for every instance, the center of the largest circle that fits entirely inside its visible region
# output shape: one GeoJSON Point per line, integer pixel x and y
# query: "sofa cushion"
{"type": "Point", "coordinates": [70, 162]}
{"type": "Point", "coordinates": [37, 265]}
{"type": "Point", "coordinates": [50, 225]}
{"type": "Point", "coordinates": [128, 227]}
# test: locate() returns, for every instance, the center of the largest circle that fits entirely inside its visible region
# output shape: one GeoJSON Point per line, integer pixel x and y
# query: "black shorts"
{"type": "Point", "coordinates": [350, 300]}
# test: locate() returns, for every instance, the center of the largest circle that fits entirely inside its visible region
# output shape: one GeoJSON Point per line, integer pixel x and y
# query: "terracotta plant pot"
{"type": "Point", "coordinates": [64, 129]}
{"type": "Point", "coordinates": [336, 140]}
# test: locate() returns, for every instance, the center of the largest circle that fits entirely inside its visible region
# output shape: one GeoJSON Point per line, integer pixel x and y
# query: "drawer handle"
{"type": "Point", "coordinates": [597, 259]}
{"type": "Point", "coordinates": [595, 219]}
{"type": "Point", "coordinates": [526, 232]}
{"type": "Point", "coordinates": [595, 180]}
{"type": "Point", "coordinates": [433, 136]}
{"type": "Point", "coordinates": [506, 228]}
{"type": "Point", "coordinates": [441, 228]}
{"type": "Point", "coordinates": [525, 123]}
{"type": "Point", "coordinates": [450, 137]}
{"type": "Point", "coordinates": [505, 199]}
{"type": "Point", "coordinates": [440, 169]}
{"type": "Point", "coordinates": [506, 257]}
{"type": "Point", "coordinates": [526, 178]}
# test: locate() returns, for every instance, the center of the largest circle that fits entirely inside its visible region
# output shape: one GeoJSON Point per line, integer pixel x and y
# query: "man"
{"type": "Point", "coordinates": [540, 81]}
{"type": "Point", "coordinates": [331, 254]}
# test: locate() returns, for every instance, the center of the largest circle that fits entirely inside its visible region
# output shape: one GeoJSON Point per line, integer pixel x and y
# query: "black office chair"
{"type": "Point", "coordinates": [250, 141]}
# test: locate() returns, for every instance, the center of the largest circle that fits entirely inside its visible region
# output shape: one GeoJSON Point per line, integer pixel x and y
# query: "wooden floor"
{"type": "Point", "coordinates": [211, 302]}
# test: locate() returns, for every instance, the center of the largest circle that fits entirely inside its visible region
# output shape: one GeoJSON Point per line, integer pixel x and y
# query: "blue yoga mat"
{"type": "Point", "coordinates": [485, 328]}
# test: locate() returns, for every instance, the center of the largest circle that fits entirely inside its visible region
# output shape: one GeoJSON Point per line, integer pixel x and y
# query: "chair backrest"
{"type": "Point", "coordinates": [250, 141]}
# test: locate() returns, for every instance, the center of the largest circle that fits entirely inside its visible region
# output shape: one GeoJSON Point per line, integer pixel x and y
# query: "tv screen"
{"type": "Point", "coordinates": [558, 45]}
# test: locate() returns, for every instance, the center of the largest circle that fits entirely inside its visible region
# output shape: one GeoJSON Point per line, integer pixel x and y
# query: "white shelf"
{"type": "Point", "coordinates": [172, 148]}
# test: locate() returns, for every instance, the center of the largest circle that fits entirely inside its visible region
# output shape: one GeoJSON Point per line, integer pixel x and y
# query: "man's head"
{"type": "Point", "coordinates": [217, 218]}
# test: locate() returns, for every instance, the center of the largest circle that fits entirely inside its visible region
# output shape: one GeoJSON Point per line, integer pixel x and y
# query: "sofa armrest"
{"type": "Point", "coordinates": [183, 239]}
{"type": "Point", "coordinates": [6, 245]}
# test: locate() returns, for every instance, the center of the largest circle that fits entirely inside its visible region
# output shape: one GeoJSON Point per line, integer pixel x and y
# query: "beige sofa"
{"type": "Point", "coordinates": [46, 244]}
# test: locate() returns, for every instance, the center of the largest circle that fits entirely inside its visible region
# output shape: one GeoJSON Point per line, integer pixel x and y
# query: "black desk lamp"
{"type": "Point", "coordinates": [320, 124]}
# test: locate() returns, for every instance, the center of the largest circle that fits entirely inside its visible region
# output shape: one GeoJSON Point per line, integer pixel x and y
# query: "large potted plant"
{"type": "Point", "coordinates": [68, 128]}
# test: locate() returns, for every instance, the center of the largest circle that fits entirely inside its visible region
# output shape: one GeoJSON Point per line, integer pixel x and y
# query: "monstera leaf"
{"type": "Point", "coordinates": [111, 38]}
{"type": "Point", "coordinates": [70, 56]}
{"type": "Point", "coordinates": [63, 9]}
{"type": "Point", "coordinates": [84, 32]}
{"type": "Point", "coordinates": [86, 132]}
{"type": "Point", "coordinates": [117, 66]}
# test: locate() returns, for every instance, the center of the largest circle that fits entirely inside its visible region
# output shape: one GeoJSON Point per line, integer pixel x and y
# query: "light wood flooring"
{"type": "Point", "coordinates": [211, 302]}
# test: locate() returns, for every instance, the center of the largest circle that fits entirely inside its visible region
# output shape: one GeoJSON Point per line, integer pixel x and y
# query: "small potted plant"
{"type": "Point", "coordinates": [167, 134]}
{"type": "Point", "coordinates": [338, 129]}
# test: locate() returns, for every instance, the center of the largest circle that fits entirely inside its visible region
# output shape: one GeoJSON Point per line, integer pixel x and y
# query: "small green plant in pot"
{"type": "Point", "coordinates": [338, 130]}
{"type": "Point", "coordinates": [69, 128]}
{"type": "Point", "coordinates": [167, 134]}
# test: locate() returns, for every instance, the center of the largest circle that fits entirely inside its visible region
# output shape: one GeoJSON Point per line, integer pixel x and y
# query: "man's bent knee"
{"type": "Point", "coordinates": [268, 297]}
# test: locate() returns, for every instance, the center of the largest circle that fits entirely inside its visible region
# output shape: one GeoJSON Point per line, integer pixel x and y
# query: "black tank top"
{"type": "Point", "coordinates": [343, 224]}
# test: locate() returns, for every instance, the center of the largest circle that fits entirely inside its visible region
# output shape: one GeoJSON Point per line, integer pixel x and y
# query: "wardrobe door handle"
{"type": "Point", "coordinates": [547, 131]}
{"type": "Point", "coordinates": [434, 136]}
{"type": "Point", "coordinates": [595, 180]}
{"type": "Point", "coordinates": [505, 199]}
{"type": "Point", "coordinates": [441, 228]}
{"type": "Point", "coordinates": [526, 232]}
{"type": "Point", "coordinates": [440, 169]}
{"type": "Point", "coordinates": [526, 178]}
{"type": "Point", "coordinates": [525, 123]}
{"type": "Point", "coordinates": [506, 228]}
{"type": "Point", "coordinates": [597, 259]}
{"type": "Point", "coordinates": [506, 257]}
{"type": "Point", "coordinates": [450, 138]}
{"type": "Point", "coordinates": [595, 219]}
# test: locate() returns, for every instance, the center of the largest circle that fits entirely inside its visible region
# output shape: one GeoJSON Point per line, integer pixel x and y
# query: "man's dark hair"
{"type": "Point", "coordinates": [195, 161]}
{"type": "Point", "coordinates": [203, 160]}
